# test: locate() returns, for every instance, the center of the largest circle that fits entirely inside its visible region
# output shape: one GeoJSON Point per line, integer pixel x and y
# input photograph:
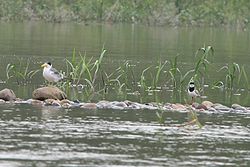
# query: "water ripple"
{"type": "Point", "coordinates": [98, 138]}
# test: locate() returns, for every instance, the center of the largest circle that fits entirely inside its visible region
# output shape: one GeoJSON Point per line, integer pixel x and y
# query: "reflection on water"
{"type": "Point", "coordinates": [75, 137]}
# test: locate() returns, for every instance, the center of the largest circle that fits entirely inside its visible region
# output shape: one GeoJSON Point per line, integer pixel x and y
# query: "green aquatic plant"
{"type": "Point", "coordinates": [218, 84]}
{"type": "Point", "coordinates": [20, 71]}
{"type": "Point", "coordinates": [157, 75]}
{"type": "Point", "coordinates": [89, 77]}
{"type": "Point", "coordinates": [193, 118]}
{"type": "Point", "coordinates": [89, 90]}
{"type": "Point", "coordinates": [235, 75]}
{"type": "Point", "coordinates": [160, 114]}
{"type": "Point", "coordinates": [73, 69]}
{"type": "Point", "coordinates": [122, 78]}
{"type": "Point", "coordinates": [243, 77]}
{"type": "Point", "coordinates": [174, 71]}
{"type": "Point", "coordinates": [78, 67]}
{"type": "Point", "coordinates": [127, 74]}
{"type": "Point", "coordinates": [123, 75]}
{"type": "Point", "coordinates": [232, 72]}
{"type": "Point", "coordinates": [82, 73]}
{"type": "Point", "coordinates": [143, 83]}
{"type": "Point", "coordinates": [202, 63]}
{"type": "Point", "coordinates": [118, 85]}
{"type": "Point", "coordinates": [177, 76]}
{"type": "Point", "coordinates": [97, 66]}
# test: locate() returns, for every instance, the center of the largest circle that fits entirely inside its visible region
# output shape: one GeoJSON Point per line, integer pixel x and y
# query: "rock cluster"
{"type": "Point", "coordinates": [52, 96]}
{"type": "Point", "coordinates": [129, 105]}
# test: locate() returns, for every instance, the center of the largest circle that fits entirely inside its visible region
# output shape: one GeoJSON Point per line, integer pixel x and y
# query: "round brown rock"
{"type": "Point", "coordinates": [207, 104]}
{"type": "Point", "coordinates": [7, 95]}
{"type": "Point", "coordinates": [48, 93]}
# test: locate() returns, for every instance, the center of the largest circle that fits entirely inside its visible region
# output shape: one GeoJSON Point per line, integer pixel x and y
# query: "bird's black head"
{"type": "Point", "coordinates": [191, 83]}
{"type": "Point", "coordinates": [49, 63]}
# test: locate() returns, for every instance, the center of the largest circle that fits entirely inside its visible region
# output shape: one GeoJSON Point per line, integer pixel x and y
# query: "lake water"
{"type": "Point", "coordinates": [44, 136]}
{"type": "Point", "coordinates": [142, 46]}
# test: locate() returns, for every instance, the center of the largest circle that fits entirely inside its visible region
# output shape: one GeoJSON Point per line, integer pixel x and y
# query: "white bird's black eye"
{"type": "Point", "coordinates": [49, 63]}
{"type": "Point", "coordinates": [191, 83]}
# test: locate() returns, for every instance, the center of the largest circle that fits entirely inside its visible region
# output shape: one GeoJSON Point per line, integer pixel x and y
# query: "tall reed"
{"type": "Point", "coordinates": [159, 67]}
{"type": "Point", "coordinates": [232, 71]}
{"type": "Point", "coordinates": [202, 63]}
{"type": "Point", "coordinates": [20, 71]}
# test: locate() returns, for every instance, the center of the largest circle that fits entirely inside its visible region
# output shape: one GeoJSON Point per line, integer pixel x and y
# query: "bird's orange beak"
{"type": "Point", "coordinates": [44, 65]}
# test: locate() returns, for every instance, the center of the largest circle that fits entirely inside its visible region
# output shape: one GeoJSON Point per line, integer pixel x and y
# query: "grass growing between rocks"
{"type": "Point", "coordinates": [87, 79]}
{"type": "Point", "coordinates": [192, 116]}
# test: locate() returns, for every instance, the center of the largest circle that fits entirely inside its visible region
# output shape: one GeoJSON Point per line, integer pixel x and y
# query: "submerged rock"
{"type": "Point", "coordinates": [135, 105]}
{"type": "Point", "coordinates": [119, 104]}
{"type": "Point", "coordinates": [199, 107]}
{"type": "Point", "coordinates": [19, 101]}
{"type": "Point", "coordinates": [125, 105]}
{"type": "Point", "coordinates": [89, 106]}
{"type": "Point", "coordinates": [168, 106]}
{"type": "Point", "coordinates": [154, 106]}
{"type": "Point", "coordinates": [212, 109]}
{"type": "Point", "coordinates": [66, 105]}
{"type": "Point", "coordinates": [2, 101]}
{"type": "Point", "coordinates": [220, 107]}
{"type": "Point", "coordinates": [128, 103]}
{"type": "Point", "coordinates": [103, 104]}
{"type": "Point", "coordinates": [52, 102]}
{"type": "Point", "coordinates": [178, 107]}
{"type": "Point", "coordinates": [34, 102]}
{"type": "Point", "coordinates": [56, 103]}
{"type": "Point", "coordinates": [195, 105]}
{"type": "Point", "coordinates": [111, 105]}
{"type": "Point", "coordinates": [7, 95]}
{"type": "Point", "coordinates": [238, 107]}
{"type": "Point", "coordinates": [48, 93]}
{"type": "Point", "coordinates": [65, 101]}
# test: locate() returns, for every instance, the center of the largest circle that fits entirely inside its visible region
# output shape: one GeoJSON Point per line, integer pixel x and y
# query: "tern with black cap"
{"type": "Point", "coordinates": [50, 73]}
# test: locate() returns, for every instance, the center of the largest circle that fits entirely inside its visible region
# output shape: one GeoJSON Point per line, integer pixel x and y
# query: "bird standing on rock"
{"type": "Point", "coordinates": [192, 92]}
{"type": "Point", "coordinates": [51, 74]}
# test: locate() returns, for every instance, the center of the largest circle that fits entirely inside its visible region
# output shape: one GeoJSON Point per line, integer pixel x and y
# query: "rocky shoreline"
{"type": "Point", "coordinates": [52, 96]}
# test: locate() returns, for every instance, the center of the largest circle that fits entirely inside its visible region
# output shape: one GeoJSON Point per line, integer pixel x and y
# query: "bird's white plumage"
{"type": "Point", "coordinates": [51, 74]}
{"type": "Point", "coordinates": [192, 91]}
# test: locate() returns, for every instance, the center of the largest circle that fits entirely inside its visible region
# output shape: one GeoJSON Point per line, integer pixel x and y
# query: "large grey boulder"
{"type": "Point", "coordinates": [49, 92]}
{"type": "Point", "coordinates": [7, 95]}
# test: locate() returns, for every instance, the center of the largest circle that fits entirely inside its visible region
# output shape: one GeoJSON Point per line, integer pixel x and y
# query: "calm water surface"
{"type": "Point", "coordinates": [43, 136]}
{"type": "Point", "coordinates": [141, 45]}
